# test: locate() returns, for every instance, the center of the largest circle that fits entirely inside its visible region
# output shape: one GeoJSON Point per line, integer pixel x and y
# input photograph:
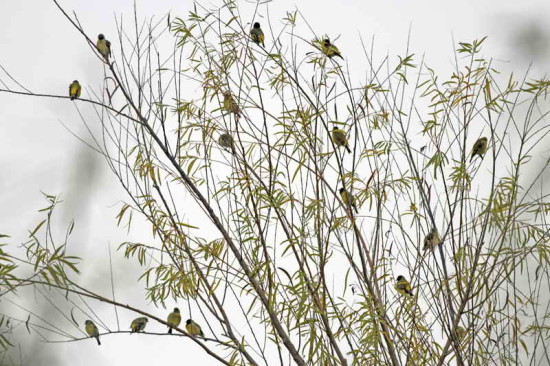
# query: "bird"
{"type": "Point", "coordinates": [348, 199]}
{"type": "Point", "coordinates": [92, 331]}
{"type": "Point", "coordinates": [403, 286]}
{"type": "Point", "coordinates": [138, 324]}
{"type": "Point", "coordinates": [193, 328]}
{"type": "Point", "coordinates": [104, 47]}
{"type": "Point", "coordinates": [460, 333]}
{"type": "Point", "coordinates": [230, 105]}
{"type": "Point", "coordinates": [431, 240]}
{"type": "Point", "coordinates": [174, 319]}
{"type": "Point", "coordinates": [339, 138]}
{"type": "Point", "coordinates": [329, 49]}
{"type": "Point", "coordinates": [226, 140]}
{"type": "Point", "coordinates": [74, 90]}
{"type": "Point", "coordinates": [257, 34]}
{"type": "Point", "coordinates": [480, 147]}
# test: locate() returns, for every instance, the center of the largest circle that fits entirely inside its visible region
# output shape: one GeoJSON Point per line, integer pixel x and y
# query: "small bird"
{"type": "Point", "coordinates": [226, 140]}
{"type": "Point", "coordinates": [138, 324]}
{"type": "Point", "coordinates": [348, 199]}
{"type": "Point", "coordinates": [92, 330]}
{"type": "Point", "coordinates": [257, 34]}
{"type": "Point", "coordinates": [340, 138]}
{"type": "Point", "coordinates": [480, 147]}
{"type": "Point", "coordinates": [174, 319]}
{"type": "Point", "coordinates": [403, 286]}
{"type": "Point", "coordinates": [74, 90]}
{"type": "Point", "coordinates": [104, 47]}
{"type": "Point", "coordinates": [460, 333]}
{"type": "Point", "coordinates": [230, 105]}
{"type": "Point", "coordinates": [329, 49]}
{"type": "Point", "coordinates": [193, 328]}
{"type": "Point", "coordinates": [431, 240]}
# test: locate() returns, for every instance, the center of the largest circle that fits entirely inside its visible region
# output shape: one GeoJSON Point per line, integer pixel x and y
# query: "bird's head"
{"type": "Point", "coordinates": [335, 128]}
{"type": "Point", "coordinates": [145, 320]}
{"type": "Point", "coordinates": [189, 321]}
{"type": "Point", "coordinates": [88, 322]}
{"type": "Point", "coordinates": [483, 140]}
{"type": "Point", "coordinates": [400, 278]}
{"type": "Point", "coordinates": [341, 190]}
{"type": "Point", "coordinates": [326, 42]}
{"type": "Point", "coordinates": [75, 81]}
{"type": "Point", "coordinates": [176, 310]}
{"type": "Point", "coordinates": [100, 36]}
{"type": "Point", "coordinates": [256, 25]}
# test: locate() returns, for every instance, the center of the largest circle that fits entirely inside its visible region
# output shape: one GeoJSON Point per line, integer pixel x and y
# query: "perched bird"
{"type": "Point", "coordinates": [174, 319]}
{"type": "Point", "coordinates": [226, 140]}
{"type": "Point", "coordinates": [403, 286]}
{"type": "Point", "coordinates": [138, 324]}
{"type": "Point", "coordinates": [230, 105]}
{"type": "Point", "coordinates": [431, 240]}
{"type": "Point", "coordinates": [340, 138]}
{"type": "Point", "coordinates": [480, 147]}
{"type": "Point", "coordinates": [460, 333]}
{"type": "Point", "coordinates": [193, 328]}
{"type": "Point", "coordinates": [74, 90]}
{"type": "Point", "coordinates": [104, 47]}
{"type": "Point", "coordinates": [329, 49]}
{"type": "Point", "coordinates": [92, 331]}
{"type": "Point", "coordinates": [257, 34]}
{"type": "Point", "coordinates": [348, 199]}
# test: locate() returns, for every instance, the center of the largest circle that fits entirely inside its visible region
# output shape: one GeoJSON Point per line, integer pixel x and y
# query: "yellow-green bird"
{"type": "Point", "coordinates": [431, 240]}
{"type": "Point", "coordinates": [329, 49]}
{"type": "Point", "coordinates": [138, 324]}
{"type": "Point", "coordinates": [230, 105]}
{"type": "Point", "coordinates": [92, 331]}
{"type": "Point", "coordinates": [348, 199]}
{"type": "Point", "coordinates": [193, 328]}
{"type": "Point", "coordinates": [74, 90]}
{"type": "Point", "coordinates": [174, 319]}
{"type": "Point", "coordinates": [104, 47]}
{"type": "Point", "coordinates": [226, 140]}
{"type": "Point", "coordinates": [403, 286]}
{"type": "Point", "coordinates": [257, 34]}
{"type": "Point", "coordinates": [480, 147]}
{"type": "Point", "coordinates": [340, 138]}
{"type": "Point", "coordinates": [460, 333]}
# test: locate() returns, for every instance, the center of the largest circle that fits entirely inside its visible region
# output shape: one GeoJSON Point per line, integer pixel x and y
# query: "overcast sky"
{"type": "Point", "coordinates": [42, 50]}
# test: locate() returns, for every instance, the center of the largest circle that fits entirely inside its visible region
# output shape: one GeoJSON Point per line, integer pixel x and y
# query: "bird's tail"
{"type": "Point", "coordinates": [169, 330]}
{"type": "Point", "coordinates": [98, 342]}
{"type": "Point", "coordinates": [348, 149]}
{"type": "Point", "coordinates": [72, 98]}
{"type": "Point", "coordinates": [355, 208]}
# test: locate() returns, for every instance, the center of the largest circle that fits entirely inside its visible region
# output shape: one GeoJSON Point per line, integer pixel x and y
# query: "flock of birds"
{"type": "Point", "coordinates": [225, 140]}
{"type": "Point", "coordinates": [138, 325]}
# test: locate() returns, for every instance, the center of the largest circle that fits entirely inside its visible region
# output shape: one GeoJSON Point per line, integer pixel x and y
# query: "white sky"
{"type": "Point", "coordinates": [42, 50]}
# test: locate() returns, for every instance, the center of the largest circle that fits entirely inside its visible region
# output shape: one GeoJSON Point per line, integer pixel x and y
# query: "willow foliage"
{"type": "Point", "coordinates": [260, 240]}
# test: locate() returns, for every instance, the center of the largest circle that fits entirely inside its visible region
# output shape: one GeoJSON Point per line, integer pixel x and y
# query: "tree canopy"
{"type": "Point", "coordinates": [422, 245]}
